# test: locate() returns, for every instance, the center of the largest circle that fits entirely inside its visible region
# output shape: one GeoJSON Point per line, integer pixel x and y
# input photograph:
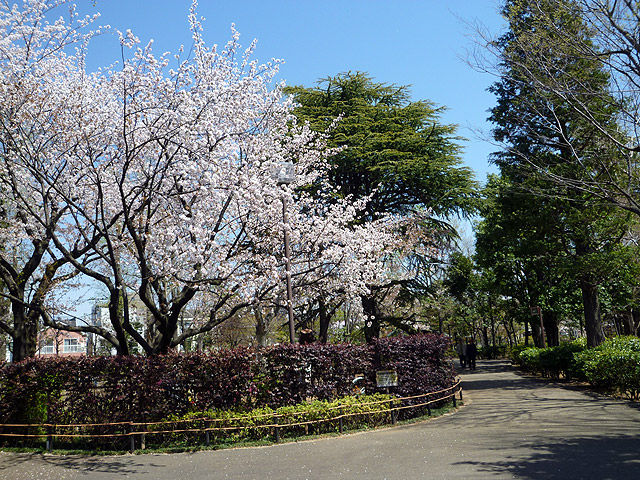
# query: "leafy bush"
{"type": "Point", "coordinates": [552, 361]}
{"type": "Point", "coordinates": [529, 359]}
{"type": "Point", "coordinates": [613, 366]}
{"type": "Point", "coordinates": [492, 351]}
{"type": "Point", "coordinates": [559, 360]}
{"type": "Point", "coordinates": [293, 420]}
{"type": "Point", "coordinates": [514, 353]}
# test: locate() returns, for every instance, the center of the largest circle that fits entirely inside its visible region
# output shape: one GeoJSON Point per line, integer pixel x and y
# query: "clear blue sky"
{"type": "Point", "coordinates": [407, 42]}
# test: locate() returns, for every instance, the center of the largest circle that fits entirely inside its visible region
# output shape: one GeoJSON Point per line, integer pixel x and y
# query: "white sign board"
{"type": "Point", "coordinates": [386, 378]}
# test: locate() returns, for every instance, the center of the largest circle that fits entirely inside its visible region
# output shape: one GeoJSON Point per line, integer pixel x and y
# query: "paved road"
{"type": "Point", "coordinates": [511, 427]}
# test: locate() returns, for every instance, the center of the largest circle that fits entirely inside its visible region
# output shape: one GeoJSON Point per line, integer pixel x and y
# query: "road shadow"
{"type": "Point", "coordinates": [86, 465]}
{"type": "Point", "coordinates": [602, 458]}
{"type": "Point", "coordinates": [496, 374]}
{"type": "Point", "coordinates": [516, 379]}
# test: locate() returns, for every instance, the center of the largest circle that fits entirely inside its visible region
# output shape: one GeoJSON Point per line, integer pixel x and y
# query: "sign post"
{"type": "Point", "coordinates": [386, 379]}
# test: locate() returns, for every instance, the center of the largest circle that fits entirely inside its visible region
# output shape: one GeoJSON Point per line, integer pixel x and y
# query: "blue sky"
{"type": "Point", "coordinates": [407, 42]}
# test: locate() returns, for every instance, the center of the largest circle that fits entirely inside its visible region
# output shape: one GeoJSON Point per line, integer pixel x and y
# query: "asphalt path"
{"type": "Point", "coordinates": [512, 426]}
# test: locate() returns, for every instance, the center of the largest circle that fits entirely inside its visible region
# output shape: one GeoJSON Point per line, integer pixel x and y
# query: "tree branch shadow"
{"type": "Point", "coordinates": [601, 458]}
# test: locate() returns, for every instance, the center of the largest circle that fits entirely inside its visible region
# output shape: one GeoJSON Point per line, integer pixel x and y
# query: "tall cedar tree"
{"type": "Point", "coordinates": [395, 151]}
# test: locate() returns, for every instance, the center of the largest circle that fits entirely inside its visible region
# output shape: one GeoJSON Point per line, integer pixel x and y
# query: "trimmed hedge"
{"type": "Point", "coordinates": [613, 366]}
{"type": "Point", "coordinates": [141, 389]}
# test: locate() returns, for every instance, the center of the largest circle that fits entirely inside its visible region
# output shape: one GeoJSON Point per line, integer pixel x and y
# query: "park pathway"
{"type": "Point", "coordinates": [512, 426]}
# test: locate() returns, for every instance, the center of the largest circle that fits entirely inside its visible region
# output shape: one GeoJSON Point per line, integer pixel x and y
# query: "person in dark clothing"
{"type": "Point", "coordinates": [461, 350]}
{"type": "Point", "coordinates": [472, 352]}
{"type": "Point", "coordinates": [306, 336]}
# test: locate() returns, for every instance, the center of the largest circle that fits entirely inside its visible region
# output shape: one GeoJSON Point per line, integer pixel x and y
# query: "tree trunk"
{"type": "Point", "coordinates": [25, 336]}
{"type": "Point", "coordinates": [551, 328]}
{"type": "Point", "coordinates": [261, 327]}
{"type": "Point", "coordinates": [325, 319]}
{"type": "Point", "coordinates": [5, 314]}
{"type": "Point", "coordinates": [371, 322]}
{"type": "Point", "coordinates": [630, 322]}
{"type": "Point", "coordinates": [116, 317]}
{"type": "Point", "coordinates": [485, 335]}
{"type": "Point", "coordinates": [536, 332]}
{"type": "Point", "coordinates": [592, 318]}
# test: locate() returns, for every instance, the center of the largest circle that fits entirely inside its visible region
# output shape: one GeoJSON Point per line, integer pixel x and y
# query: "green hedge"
{"type": "Point", "coordinates": [613, 366]}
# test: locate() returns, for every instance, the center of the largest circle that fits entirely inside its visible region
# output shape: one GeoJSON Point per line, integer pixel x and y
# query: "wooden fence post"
{"type": "Point", "coordinates": [143, 438]}
{"type": "Point", "coordinates": [49, 439]}
{"type": "Point", "coordinates": [132, 439]}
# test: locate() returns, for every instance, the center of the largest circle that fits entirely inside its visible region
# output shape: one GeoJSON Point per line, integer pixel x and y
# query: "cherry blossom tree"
{"type": "Point", "coordinates": [154, 177]}
{"type": "Point", "coordinates": [41, 100]}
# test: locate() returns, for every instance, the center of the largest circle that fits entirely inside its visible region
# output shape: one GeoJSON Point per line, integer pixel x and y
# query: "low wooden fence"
{"type": "Point", "coordinates": [275, 424]}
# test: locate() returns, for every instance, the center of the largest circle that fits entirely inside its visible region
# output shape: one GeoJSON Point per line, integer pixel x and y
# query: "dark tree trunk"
{"type": "Point", "coordinates": [25, 338]}
{"type": "Point", "coordinates": [536, 333]}
{"type": "Point", "coordinates": [592, 318]}
{"type": "Point", "coordinates": [116, 316]}
{"type": "Point", "coordinates": [261, 327]}
{"type": "Point", "coordinates": [325, 319]}
{"type": "Point", "coordinates": [551, 328]}
{"type": "Point", "coordinates": [630, 322]}
{"type": "Point", "coordinates": [371, 322]}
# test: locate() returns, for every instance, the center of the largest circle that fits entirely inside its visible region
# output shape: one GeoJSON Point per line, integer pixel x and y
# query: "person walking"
{"type": "Point", "coordinates": [472, 352]}
{"type": "Point", "coordinates": [461, 350]}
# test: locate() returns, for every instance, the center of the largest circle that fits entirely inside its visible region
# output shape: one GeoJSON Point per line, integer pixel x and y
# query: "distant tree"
{"type": "Point", "coordinates": [397, 152]}
{"type": "Point", "coordinates": [521, 248]}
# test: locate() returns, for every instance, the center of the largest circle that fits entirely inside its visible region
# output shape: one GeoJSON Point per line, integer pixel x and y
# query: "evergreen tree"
{"type": "Point", "coordinates": [397, 151]}
{"type": "Point", "coordinates": [397, 154]}
{"type": "Point", "coordinates": [544, 137]}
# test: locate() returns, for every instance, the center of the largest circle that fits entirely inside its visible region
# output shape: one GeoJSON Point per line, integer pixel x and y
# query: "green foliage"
{"type": "Point", "coordinates": [529, 358]}
{"type": "Point", "coordinates": [398, 157]}
{"type": "Point", "coordinates": [613, 366]}
{"type": "Point", "coordinates": [553, 361]}
{"type": "Point", "coordinates": [514, 353]}
{"type": "Point", "coordinates": [316, 416]}
{"type": "Point", "coordinates": [398, 152]}
{"type": "Point", "coordinates": [492, 351]}
{"type": "Point", "coordinates": [544, 235]}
